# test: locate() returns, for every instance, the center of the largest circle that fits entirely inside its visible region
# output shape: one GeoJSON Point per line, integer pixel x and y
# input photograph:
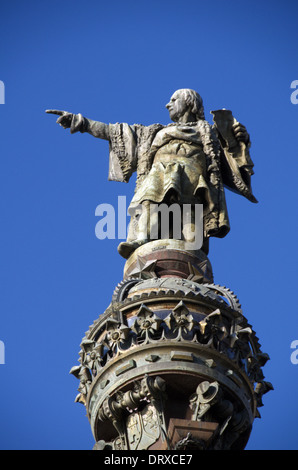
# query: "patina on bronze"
{"type": "Point", "coordinates": [168, 324]}
{"type": "Point", "coordinates": [186, 162]}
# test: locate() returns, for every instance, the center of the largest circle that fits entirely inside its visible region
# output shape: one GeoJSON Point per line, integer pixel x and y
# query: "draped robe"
{"type": "Point", "coordinates": [183, 159]}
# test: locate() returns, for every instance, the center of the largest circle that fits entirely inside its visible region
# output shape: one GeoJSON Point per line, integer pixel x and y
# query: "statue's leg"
{"type": "Point", "coordinates": [193, 228]}
{"type": "Point", "coordinates": [138, 231]}
{"type": "Point", "coordinates": [188, 222]}
{"type": "Point", "coordinates": [205, 246]}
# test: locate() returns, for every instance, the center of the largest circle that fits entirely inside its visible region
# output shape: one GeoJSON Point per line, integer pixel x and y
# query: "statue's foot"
{"type": "Point", "coordinates": [125, 249]}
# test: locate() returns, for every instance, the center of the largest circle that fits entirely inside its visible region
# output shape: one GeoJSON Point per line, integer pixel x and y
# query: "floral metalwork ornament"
{"type": "Point", "coordinates": [146, 324]}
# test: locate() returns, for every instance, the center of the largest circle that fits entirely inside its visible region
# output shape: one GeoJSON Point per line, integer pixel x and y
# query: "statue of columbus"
{"type": "Point", "coordinates": [188, 161]}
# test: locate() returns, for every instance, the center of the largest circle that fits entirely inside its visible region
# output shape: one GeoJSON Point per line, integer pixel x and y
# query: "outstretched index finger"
{"type": "Point", "coordinates": [55, 111]}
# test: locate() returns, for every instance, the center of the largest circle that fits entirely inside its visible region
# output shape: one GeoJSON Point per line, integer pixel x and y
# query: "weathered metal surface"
{"type": "Point", "coordinates": [172, 363]}
{"type": "Point", "coordinates": [187, 162]}
{"type": "Point", "coordinates": [181, 332]}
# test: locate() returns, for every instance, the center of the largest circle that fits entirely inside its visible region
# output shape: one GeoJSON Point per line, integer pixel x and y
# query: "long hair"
{"type": "Point", "coordinates": [194, 100]}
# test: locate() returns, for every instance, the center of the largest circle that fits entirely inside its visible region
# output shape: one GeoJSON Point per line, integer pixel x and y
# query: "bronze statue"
{"type": "Point", "coordinates": [168, 324]}
{"type": "Point", "coordinates": [186, 162]}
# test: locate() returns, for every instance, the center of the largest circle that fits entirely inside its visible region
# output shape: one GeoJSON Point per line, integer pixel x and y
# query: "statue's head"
{"type": "Point", "coordinates": [186, 101]}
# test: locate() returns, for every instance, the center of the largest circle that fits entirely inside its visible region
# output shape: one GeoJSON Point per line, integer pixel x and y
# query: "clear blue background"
{"type": "Point", "coordinates": [120, 61]}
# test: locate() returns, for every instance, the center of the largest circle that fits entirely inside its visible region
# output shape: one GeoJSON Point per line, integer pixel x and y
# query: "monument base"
{"type": "Point", "coordinates": [172, 363]}
{"type": "Point", "coordinates": [168, 258]}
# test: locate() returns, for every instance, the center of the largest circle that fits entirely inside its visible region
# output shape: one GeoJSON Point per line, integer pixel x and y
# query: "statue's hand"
{"type": "Point", "coordinates": [65, 117]}
{"type": "Point", "coordinates": [241, 133]}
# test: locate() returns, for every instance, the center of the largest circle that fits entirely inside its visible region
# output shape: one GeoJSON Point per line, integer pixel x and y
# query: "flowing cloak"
{"type": "Point", "coordinates": [183, 157]}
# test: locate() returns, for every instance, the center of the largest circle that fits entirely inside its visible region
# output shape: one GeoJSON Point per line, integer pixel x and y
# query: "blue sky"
{"type": "Point", "coordinates": [120, 62]}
